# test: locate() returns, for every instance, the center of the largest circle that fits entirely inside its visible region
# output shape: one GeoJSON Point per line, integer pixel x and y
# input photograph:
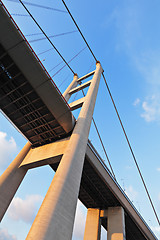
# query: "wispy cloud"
{"type": "Point", "coordinates": [151, 109]}
{"type": "Point", "coordinates": [147, 62]}
{"type": "Point", "coordinates": [136, 102]}
{"type": "Point", "coordinates": [129, 21]}
{"type": "Point", "coordinates": [79, 225]}
{"type": "Point", "coordinates": [4, 235]}
{"type": "Point", "coordinates": [158, 169]}
{"type": "Point", "coordinates": [131, 193]}
{"type": "Point", "coordinates": [24, 209]}
{"type": "Point", "coordinates": [125, 19]}
{"type": "Point", "coordinates": [8, 148]}
{"type": "Point", "coordinates": [156, 230]}
{"type": "Point", "coordinates": [128, 167]}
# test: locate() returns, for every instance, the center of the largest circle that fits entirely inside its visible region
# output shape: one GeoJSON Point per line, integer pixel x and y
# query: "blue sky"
{"type": "Point", "coordinates": [125, 37]}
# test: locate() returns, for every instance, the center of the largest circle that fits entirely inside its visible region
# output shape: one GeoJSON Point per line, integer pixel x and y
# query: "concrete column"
{"type": "Point", "coordinates": [55, 218]}
{"type": "Point", "coordinates": [93, 225]}
{"type": "Point", "coordinates": [11, 179]}
{"type": "Point", "coordinates": [116, 224]}
{"type": "Point", "coordinates": [73, 84]}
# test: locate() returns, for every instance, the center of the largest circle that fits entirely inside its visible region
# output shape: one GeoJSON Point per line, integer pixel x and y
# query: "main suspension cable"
{"type": "Point", "coordinates": [40, 6]}
{"type": "Point", "coordinates": [130, 147]}
{"type": "Point", "coordinates": [79, 30]}
{"type": "Point", "coordinates": [104, 149]}
{"type": "Point", "coordinates": [82, 90]}
{"type": "Point", "coordinates": [99, 136]}
{"type": "Point", "coordinates": [132, 153]}
{"type": "Point", "coordinates": [46, 36]}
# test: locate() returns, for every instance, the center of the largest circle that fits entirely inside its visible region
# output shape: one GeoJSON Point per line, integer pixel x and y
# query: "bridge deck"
{"type": "Point", "coordinates": [28, 96]}
{"type": "Point", "coordinates": [99, 190]}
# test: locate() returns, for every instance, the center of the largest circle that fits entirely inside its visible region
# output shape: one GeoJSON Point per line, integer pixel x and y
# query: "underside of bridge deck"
{"type": "Point", "coordinates": [28, 96]}
{"type": "Point", "coordinates": [95, 193]}
{"type": "Point", "coordinates": [32, 102]}
{"type": "Point", "coordinates": [23, 106]}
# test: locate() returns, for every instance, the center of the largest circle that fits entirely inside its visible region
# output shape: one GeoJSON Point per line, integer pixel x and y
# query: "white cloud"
{"type": "Point", "coordinates": [24, 209]}
{"type": "Point", "coordinates": [126, 19]}
{"type": "Point", "coordinates": [151, 109]}
{"type": "Point", "coordinates": [7, 149]}
{"type": "Point", "coordinates": [136, 102]}
{"type": "Point", "coordinates": [80, 221]}
{"type": "Point", "coordinates": [103, 233]}
{"type": "Point", "coordinates": [129, 26]}
{"type": "Point", "coordinates": [148, 64]}
{"type": "Point", "coordinates": [79, 224]}
{"type": "Point", "coordinates": [131, 193]}
{"type": "Point", "coordinates": [156, 230]}
{"type": "Point", "coordinates": [128, 167]}
{"type": "Point", "coordinates": [158, 169]}
{"type": "Point", "coordinates": [4, 235]}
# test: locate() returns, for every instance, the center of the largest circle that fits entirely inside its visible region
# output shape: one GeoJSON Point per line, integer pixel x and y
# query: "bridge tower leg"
{"type": "Point", "coordinates": [11, 179]}
{"type": "Point", "coordinates": [116, 224]}
{"type": "Point", "coordinates": [93, 225]}
{"type": "Point", "coordinates": [55, 218]}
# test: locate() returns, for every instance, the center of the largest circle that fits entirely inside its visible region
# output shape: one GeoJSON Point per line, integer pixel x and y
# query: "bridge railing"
{"type": "Point", "coordinates": [33, 52]}
{"type": "Point", "coordinates": [110, 174]}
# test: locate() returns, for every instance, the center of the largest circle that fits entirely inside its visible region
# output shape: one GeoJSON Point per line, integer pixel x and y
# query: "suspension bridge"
{"type": "Point", "coordinates": [32, 102]}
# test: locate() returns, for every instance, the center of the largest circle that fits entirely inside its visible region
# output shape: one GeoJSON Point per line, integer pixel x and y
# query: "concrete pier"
{"type": "Point", "coordinates": [116, 224]}
{"type": "Point", "coordinates": [93, 225]}
{"type": "Point", "coordinates": [11, 179]}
